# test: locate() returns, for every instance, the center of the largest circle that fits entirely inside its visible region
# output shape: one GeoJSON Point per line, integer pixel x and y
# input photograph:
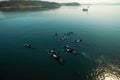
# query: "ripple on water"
{"type": "Point", "coordinates": [106, 70]}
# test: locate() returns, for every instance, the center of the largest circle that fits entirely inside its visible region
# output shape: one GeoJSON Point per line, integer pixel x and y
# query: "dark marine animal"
{"type": "Point", "coordinates": [55, 56]}
{"type": "Point", "coordinates": [29, 46]}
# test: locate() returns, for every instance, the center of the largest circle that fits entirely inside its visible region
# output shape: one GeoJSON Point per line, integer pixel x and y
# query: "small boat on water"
{"type": "Point", "coordinates": [85, 9]}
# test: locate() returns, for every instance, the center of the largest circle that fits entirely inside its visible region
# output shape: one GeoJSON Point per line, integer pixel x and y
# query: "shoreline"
{"type": "Point", "coordinates": [27, 5]}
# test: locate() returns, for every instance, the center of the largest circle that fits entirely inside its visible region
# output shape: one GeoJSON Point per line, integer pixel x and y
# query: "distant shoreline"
{"type": "Point", "coordinates": [71, 4]}
{"type": "Point", "coordinates": [27, 5]}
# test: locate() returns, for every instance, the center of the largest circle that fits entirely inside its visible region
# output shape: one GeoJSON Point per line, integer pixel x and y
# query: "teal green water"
{"type": "Point", "coordinates": [98, 57]}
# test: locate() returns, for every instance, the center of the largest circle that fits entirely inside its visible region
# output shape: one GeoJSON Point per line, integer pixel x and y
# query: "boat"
{"type": "Point", "coordinates": [85, 9]}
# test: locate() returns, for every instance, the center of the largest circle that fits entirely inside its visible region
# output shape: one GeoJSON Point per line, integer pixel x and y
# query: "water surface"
{"type": "Point", "coordinates": [98, 57]}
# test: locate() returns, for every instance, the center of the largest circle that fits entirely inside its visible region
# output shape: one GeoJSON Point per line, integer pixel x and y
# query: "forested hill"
{"type": "Point", "coordinates": [27, 5]}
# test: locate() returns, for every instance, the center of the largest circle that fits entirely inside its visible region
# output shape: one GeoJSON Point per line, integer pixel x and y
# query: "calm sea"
{"type": "Point", "coordinates": [98, 56]}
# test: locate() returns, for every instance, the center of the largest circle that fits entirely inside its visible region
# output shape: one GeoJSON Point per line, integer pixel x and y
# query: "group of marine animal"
{"type": "Point", "coordinates": [67, 49]}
